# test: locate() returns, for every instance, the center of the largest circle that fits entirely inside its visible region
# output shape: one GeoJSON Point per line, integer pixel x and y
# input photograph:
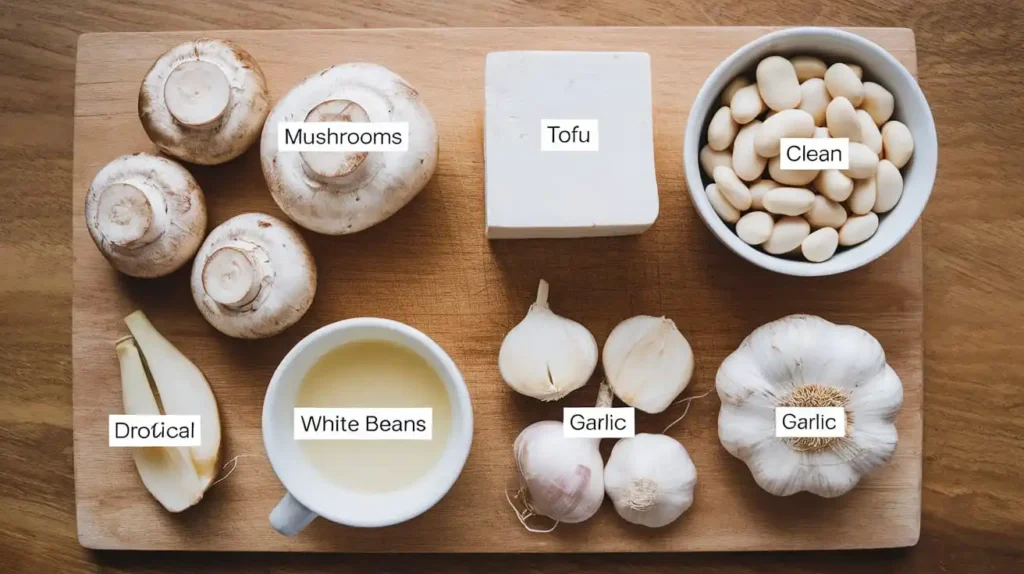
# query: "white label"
{"type": "Point", "coordinates": [810, 422]}
{"type": "Point", "coordinates": [814, 153]}
{"type": "Point", "coordinates": [364, 424]}
{"type": "Point", "coordinates": [568, 135]}
{"type": "Point", "coordinates": [598, 422]}
{"type": "Point", "coordinates": [343, 136]}
{"type": "Point", "coordinates": [153, 430]}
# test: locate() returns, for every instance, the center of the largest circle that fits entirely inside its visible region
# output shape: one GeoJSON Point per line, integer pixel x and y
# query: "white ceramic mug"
{"type": "Point", "coordinates": [311, 495]}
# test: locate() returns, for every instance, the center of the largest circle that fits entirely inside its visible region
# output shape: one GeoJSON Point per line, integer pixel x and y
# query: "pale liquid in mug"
{"type": "Point", "coordinates": [375, 374]}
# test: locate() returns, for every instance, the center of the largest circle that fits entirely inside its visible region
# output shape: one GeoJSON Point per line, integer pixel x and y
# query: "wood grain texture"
{"type": "Point", "coordinates": [430, 266]}
{"type": "Point", "coordinates": [970, 56]}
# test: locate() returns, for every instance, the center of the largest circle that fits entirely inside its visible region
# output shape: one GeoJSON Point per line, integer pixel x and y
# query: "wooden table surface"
{"type": "Point", "coordinates": [971, 66]}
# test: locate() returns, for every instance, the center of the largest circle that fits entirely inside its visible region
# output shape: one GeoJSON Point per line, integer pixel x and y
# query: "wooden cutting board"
{"type": "Point", "coordinates": [431, 267]}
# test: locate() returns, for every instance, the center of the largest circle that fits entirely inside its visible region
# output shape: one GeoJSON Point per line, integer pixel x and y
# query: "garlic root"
{"type": "Point", "coordinates": [648, 362]}
{"type": "Point", "coordinates": [547, 356]}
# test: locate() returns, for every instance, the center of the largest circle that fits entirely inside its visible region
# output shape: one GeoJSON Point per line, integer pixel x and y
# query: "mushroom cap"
{"type": "Point", "coordinates": [379, 184]}
{"type": "Point", "coordinates": [146, 214]}
{"type": "Point", "coordinates": [204, 101]}
{"type": "Point", "coordinates": [276, 257]}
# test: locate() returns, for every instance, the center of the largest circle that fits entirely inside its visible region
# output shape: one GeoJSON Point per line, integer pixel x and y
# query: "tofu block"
{"type": "Point", "coordinates": [532, 193]}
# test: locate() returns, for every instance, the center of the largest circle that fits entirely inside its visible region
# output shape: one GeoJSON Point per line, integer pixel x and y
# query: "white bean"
{"type": "Point", "coordinates": [746, 104]}
{"type": "Point", "coordinates": [842, 82]}
{"type": "Point", "coordinates": [869, 134]}
{"type": "Point", "coordinates": [820, 245]}
{"type": "Point", "coordinates": [788, 200]}
{"type": "Point", "coordinates": [745, 161]}
{"type": "Point", "coordinates": [863, 197]}
{"type": "Point", "coordinates": [757, 191]}
{"type": "Point", "coordinates": [814, 99]}
{"type": "Point", "coordinates": [897, 143]}
{"type": "Point", "coordinates": [732, 87]}
{"type": "Point", "coordinates": [723, 208]}
{"type": "Point", "coordinates": [858, 229]}
{"type": "Point", "coordinates": [878, 102]}
{"type": "Point", "coordinates": [722, 129]}
{"type": "Point", "coordinates": [833, 184]}
{"type": "Point", "coordinates": [888, 186]}
{"type": "Point", "coordinates": [732, 188]}
{"type": "Point", "coordinates": [792, 177]}
{"type": "Point", "coordinates": [808, 67]}
{"type": "Point", "coordinates": [857, 71]}
{"type": "Point", "coordinates": [778, 84]}
{"type": "Point", "coordinates": [785, 124]}
{"type": "Point", "coordinates": [787, 234]}
{"type": "Point", "coordinates": [841, 119]}
{"type": "Point", "coordinates": [821, 133]}
{"type": "Point", "coordinates": [826, 213]}
{"type": "Point", "coordinates": [755, 227]}
{"type": "Point", "coordinates": [710, 159]}
{"type": "Point", "coordinates": [863, 161]}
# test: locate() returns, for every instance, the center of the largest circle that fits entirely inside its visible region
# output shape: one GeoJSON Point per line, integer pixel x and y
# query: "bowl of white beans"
{"type": "Point", "coordinates": [810, 83]}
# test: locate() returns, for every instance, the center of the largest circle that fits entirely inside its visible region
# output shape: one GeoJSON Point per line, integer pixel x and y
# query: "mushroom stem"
{"type": "Point", "coordinates": [127, 216]}
{"type": "Point", "coordinates": [197, 93]}
{"type": "Point", "coordinates": [231, 277]}
{"type": "Point", "coordinates": [333, 166]}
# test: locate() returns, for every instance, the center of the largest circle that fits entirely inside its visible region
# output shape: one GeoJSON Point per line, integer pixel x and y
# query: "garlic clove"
{"type": "Point", "coordinates": [741, 430]}
{"type": "Point", "coordinates": [564, 477]}
{"type": "Point", "coordinates": [547, 356]}
{"type": "Point", "coordinates": [166, 472]}
{"type": "Point", "coordinates": [648, 362]}
{"type": "Point", "coordinates": [650, 479]}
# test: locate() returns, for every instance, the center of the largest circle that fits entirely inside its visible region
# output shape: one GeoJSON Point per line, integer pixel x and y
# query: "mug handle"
{"type": "Point", "coordinates": [290, 516]}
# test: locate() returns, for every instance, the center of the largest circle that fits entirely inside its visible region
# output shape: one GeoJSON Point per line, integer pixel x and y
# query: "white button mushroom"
{"type": "Point", "coordinates": [345, 192]}
{"type": "Point", "coordinates": [253, 277]}
{"type": "Point", "coordinates": [204, 101]}
{"type": "Point", "coordinates": [146, 214]}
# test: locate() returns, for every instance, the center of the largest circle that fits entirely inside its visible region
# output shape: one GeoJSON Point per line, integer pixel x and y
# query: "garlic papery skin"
{"type": "Point", "coordinates": [650, 479]}
{"type": "Point", "coordinates": [547, 356]}
{"type": "Point", "coordinates": [648, 362]}
{"type": "Point", "coordinates": [806, 361]}
{"type": "Point", "coordinates": [563, 477]}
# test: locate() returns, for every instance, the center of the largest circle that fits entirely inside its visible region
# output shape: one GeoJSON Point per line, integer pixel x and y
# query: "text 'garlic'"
{"type": "Point", "coordinates": [547, 356]}
{"type": "Point", "coordinates": [806, 361]}
{"type": "Point", "coordinates": [647, 362]}
{"type": "Point", "coordinates": [650, 479]}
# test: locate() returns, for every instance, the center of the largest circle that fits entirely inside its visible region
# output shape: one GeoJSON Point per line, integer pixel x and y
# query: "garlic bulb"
{"type": "Point", "coordinates": [650, 479]}
{"type": "Point", "coordinates": [648, 362]}
{"type": "Point", "coordinates": [547, 356]}
{"type": "Point", "coordinates": [806, 361]}
{"type": "Point", "coordinates": [563, 476]}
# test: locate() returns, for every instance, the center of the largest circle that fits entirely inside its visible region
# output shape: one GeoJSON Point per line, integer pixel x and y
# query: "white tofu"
{"type": "Point", "coordinates": [533, 193]}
